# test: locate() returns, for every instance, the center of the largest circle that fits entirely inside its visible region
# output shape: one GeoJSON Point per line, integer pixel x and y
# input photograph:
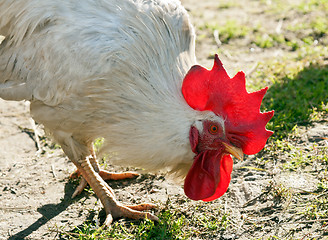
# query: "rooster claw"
{"type": "Point", "coordinates": [131, 211]}
{"type": "Point", "coordinates": [79, 189]}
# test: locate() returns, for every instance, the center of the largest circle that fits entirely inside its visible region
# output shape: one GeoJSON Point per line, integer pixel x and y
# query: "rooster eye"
{"type": "Point", "coordinates": [214, 129]}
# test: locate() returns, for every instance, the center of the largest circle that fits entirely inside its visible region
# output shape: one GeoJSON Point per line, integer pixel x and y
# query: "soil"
{"type": "Point", "coordinates": [35, 191]}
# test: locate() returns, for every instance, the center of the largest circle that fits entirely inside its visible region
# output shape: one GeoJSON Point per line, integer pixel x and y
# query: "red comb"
{"type": "Point", "coordinates": [215, 91]}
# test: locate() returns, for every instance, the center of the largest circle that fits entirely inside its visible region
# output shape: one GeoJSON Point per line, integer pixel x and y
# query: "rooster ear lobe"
{"type": "Point", "coordinates": [193, 138]}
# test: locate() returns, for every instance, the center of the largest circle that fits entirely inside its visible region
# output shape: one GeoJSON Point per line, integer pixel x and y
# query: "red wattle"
{"type": "Point", "coordinates": [225, 177]}
{"type": "Point", "coordinates": [209, 176]}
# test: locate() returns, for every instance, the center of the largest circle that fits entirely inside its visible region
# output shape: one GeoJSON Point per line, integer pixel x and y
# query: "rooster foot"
{"type": "Point", "coordinates": [113, 208]}
{"type": "Point", "coordinates": [116, 210]}
{"type": "Point", "coordinates": [105, 175]}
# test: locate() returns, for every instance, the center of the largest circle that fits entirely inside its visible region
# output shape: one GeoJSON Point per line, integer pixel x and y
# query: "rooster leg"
{"type": "Point", "coordinates": [106, 175]}
{"type": "Point", "coordinates": [93, 162]}
{"type": "Point", "coordinates": [79, 153]}
{"type": "Point", "coordinates": [83, 183]}
{"type": "Point", "coordinates": [104, 192]}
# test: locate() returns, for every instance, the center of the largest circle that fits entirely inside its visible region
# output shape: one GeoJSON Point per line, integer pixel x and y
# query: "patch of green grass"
{"type": "Point", "coordinates": [173, 224]}
{"type": "Point", "coordinates": [317, 209]}
{"type": "Point", "coordinates": [279, 192]}
{"type": "Point", "coordinates": [170, 226]}
{"type": "Point", "coordinates": [230, 30]}
{"type": "Point", "coordinates": [298, 97]}
{"type": "Point", "coordinates": [308, 33]}
{"type": "Point", "coordinates": [316, 28]}
{"type": "Point", "coordinates": [98, 143]}
{"type": "Point", "coordinates": [319, 26]}
{"type": "Point", "coordinates": [211, 223]}
{"type": "Point", "coordinates": [281, 7]}
{"type": "Point", "coordinates": [308, 6]}
{"type": "Point", "coordinates": [86, 231]}
{"type": "Point", "coordinates": [227, 4]}
{"type": "Point", "coordinates": [300, 158]}
{"type": "Point", "coordinates": [264, 40]}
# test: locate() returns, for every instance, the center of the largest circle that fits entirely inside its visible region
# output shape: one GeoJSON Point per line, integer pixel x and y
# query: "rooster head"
{"type": "Point", "coordinates": [236, 127]}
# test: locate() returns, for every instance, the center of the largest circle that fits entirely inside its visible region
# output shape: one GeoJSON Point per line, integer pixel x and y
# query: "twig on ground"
{"type": "Point", "coordinates": [216, 38]}
{"type": "Point", "coordinates": [53, 171]}
{"type": "Point", "coordinates": [219, 44]}
{"type": "Point", "coordinates": [36, 135]}
{"type": "Point", "coordinates": [279, 26]}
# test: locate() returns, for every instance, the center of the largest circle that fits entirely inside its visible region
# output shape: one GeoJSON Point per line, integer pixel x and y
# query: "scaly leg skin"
{"type": "Point", "coordinates": [106, 195]}
{"type": "Point", "coordinates": [106, 175]}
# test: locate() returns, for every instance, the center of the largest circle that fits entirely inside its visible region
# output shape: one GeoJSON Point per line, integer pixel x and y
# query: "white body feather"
{"type": "Point", "coordinates": [103, 68]}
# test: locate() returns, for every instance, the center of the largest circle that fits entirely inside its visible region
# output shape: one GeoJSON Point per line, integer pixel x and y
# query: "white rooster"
{"type": "Point", "coordinates": [124, 70]}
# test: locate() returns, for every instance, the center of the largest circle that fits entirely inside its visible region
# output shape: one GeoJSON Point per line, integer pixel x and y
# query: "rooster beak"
{"type": "Point", "coordinates": [236, 152]}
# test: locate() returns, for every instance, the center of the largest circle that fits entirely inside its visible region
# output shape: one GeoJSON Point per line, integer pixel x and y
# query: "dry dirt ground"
{"type": "Point", "coordinates": [35, 192]}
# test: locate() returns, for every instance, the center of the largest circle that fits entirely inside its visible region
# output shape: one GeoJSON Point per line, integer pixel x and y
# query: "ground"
{"type": "Point", "coordinates": [280, 193]}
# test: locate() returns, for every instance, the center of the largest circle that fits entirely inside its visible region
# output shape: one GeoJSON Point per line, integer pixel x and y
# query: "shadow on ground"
{"type": "Point", "coordinates": [298, 100]}
{"type": "Point", "coordinates": [48, 212]}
